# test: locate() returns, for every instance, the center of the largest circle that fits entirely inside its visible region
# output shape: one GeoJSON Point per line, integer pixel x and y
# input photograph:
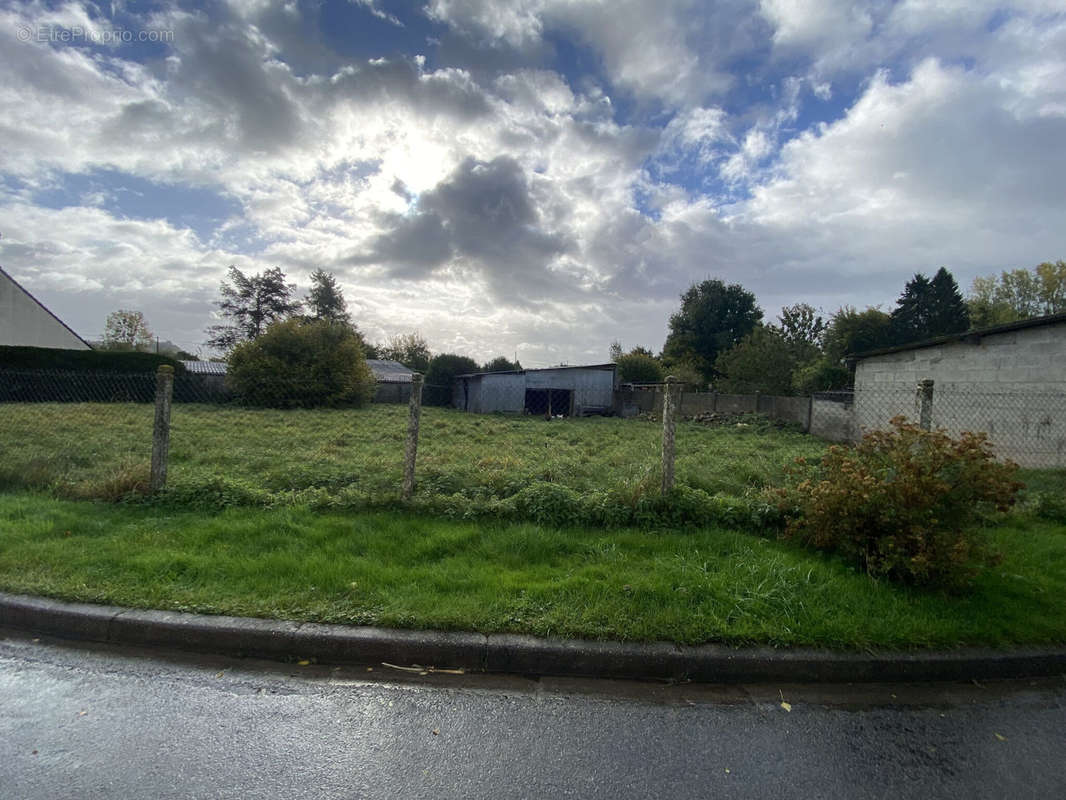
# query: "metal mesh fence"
{"type": "Point", "coordinates": [1025, 425]}
{"type": "Point", "coordinates": [288, 440]}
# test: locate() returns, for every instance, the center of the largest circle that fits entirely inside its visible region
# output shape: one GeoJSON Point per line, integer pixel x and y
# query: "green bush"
{"type": "Point", "coordinates": [440, 375]}
{"type": "Point", "coordinates": [302, 364]}
{"type": "Point", "coordinates": [903, 504]}
{"type": "Point", "coordinates": [639, 368]}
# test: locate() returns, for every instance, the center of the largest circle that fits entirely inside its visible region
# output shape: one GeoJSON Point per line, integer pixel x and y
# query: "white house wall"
{"type": "Point", "coordinates": [25, 322]}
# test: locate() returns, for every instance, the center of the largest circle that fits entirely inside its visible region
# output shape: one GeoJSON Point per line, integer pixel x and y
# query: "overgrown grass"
{"type": "Point", "coordinates": [469, 465]}
{"type": "Point", "coordinates": [391, 569]}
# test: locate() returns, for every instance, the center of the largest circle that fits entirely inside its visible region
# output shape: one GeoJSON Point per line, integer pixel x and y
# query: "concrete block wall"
{"type": "Point", "coordinates": [1010, 385]}
{"type": "Point", "coordinates": [833, 419]}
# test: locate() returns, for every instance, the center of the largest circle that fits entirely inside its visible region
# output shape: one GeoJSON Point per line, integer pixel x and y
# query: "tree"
{"type": "Point", "coordinates": [301, 364]}
{"type": "Point", "coordinates": [501, 364]}
{"type": "Point", "coordinates": [410, 349]}
{"type": "Point", "coordinates": [713, 317]}
{"type": "Point", "coordinates": [763, 361]}
{"type": "Point", "coordinates": [849, 331]}
{"type": "Point", "coordinates": [634, 367]}
{"type": "Point", "coordinates": [802, 329]}
{"type": "Point", "coordinates": [127, 330]}
{"type": "Point", "coordinates": [949, 313]}
{"type": "Point", "coordinates": [1018, 294]}
{"type": "Point", "coordinates": [928, 309]}
{"type": "Point", "coordinates": [326, 300]}
{"type": "Point", "coordinates": [250, 304]}
{"type": "Point", "coordinates": [441, 374]}
{"type": "Point", "coordinates": [852, 331]}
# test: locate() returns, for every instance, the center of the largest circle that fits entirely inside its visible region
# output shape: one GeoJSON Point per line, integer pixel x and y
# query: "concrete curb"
{"type": "Point", "coordinates": [529, 655]}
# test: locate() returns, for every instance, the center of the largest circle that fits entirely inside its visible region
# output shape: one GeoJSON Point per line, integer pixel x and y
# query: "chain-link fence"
{"type": "Point", "coordinates": [285, 440]}
{"type": "Point", "coordinates": [1024, 424]}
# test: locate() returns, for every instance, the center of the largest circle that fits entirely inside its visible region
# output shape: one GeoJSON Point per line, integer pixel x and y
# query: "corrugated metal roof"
{"type": "Point", "coordinates": [386, 371]}
{"type": "Point", "coordinates": [610, 366]}
{"type": "Point", "coordinates": [205, 367]}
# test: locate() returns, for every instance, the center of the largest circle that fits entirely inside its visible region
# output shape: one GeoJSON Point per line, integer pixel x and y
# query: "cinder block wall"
{"type": "Point", "coordinates": [1010, 385]}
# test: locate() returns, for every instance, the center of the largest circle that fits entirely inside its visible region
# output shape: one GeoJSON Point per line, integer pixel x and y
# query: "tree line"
{"type": "Point", "coordinates": [718, 337]}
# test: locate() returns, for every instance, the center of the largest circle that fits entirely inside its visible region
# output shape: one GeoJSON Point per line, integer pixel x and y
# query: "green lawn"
{"type": "Point", "coordinates": [353, 458]}
{"type": "Point", "coordinates": [392, 569]}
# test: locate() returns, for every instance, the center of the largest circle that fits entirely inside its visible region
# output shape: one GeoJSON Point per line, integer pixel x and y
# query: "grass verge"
{"type": "Point", "coordinates": [391, 569]}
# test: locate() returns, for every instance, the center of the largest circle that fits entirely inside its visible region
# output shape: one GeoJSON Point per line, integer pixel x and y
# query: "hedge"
{"type": "Point", "coordinates": [125, 362]}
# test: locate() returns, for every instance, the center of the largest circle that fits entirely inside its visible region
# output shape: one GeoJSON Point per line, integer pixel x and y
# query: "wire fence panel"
{"type": "Point", "coordinates": [76, 429]}
{"type": "Point", "coordinates": [284, 440]}
{"type": "Point", "coordinates": [1025, 425]}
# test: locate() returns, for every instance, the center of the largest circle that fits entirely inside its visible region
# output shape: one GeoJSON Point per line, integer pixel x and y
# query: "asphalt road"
{"type": "Point", "coordinates": [88, 722]}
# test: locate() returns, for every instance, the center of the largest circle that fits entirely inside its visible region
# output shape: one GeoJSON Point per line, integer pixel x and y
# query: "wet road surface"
{"type": "Point", "coordinates": [81, 721]}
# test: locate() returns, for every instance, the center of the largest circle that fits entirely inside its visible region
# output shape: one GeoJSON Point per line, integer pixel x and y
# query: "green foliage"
{"type": "Point", "coordinates": [326, 301]}
{"type": "Point", "coordinates": [501, 364]}
{"type": "Point", "coordinates": [820, 375]}
{"type": "Point", "coordinates": [929, 308]}
{"type": "Point", "coordinates": [127, 330]}
{"type": "Point", "coordinates": [639, 368]}
{"type": "Point", "coordinates": [763, 361]}
{"type": "Point", "coordinates": [297, 364]}
{"type": "Point", "coordinates": [713, 317]}
{"type": "Point", "coordinates": [903, 503]}
{"type": "Point", "coordinates": [1018, 294]}
{"type": "Point", "coordinates": [23, 358]}
{"type": "Point", "coordinates": [410, 349]}
{"type": "Point", "coordinates": [442, 371]}
{"type": "Point", "coordinates": [803, 329]}
{"type": "Point", "coordinates": [250, 304]}
{"type": "Point", "coordinates": [852, 331]}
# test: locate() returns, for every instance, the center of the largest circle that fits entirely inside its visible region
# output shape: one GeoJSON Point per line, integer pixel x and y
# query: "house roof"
{"type": "Point", "coordinates": [205, 367]}
{"type": "Point", "coordinates": [386, 371]}
{"type": "Point", "coordinates": [610, 366]}
{"type": "Point", "coordinates": [43, 307]}
{"type": "Point", "coordinates": [970, 337]}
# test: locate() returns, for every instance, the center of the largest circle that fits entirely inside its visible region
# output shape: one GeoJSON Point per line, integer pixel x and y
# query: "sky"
{"type": "Point", "coordinates": [539, 177]}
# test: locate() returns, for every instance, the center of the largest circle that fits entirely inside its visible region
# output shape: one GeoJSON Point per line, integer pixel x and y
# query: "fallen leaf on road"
{"type": "Point", "coordinates": [1000, 737]}
{"type": "Point", "coordinates": [303, 663]}
{"type": "Point", "coordinates": [422, 670]}
{"type": "Point", "coordinates": [83, 713]}
{"type": "Point", "coordinates": [436, 731]}
{"type": "Point", "coordinates": [786, 706]}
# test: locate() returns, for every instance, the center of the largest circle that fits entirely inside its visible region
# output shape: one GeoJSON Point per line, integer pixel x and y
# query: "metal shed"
{"type": "Point", "coordinates": [558, 391]}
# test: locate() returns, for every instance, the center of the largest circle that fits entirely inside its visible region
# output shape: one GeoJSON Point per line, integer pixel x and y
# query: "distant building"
{"type": "Point", "coordinates": [26, 322]}
{"type": "Point", "coordinates": [393, 379]}
{"type": "Point", "coordinates": [558, 391]}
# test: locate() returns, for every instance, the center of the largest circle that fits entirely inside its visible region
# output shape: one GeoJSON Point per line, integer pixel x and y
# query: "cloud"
{"type": "Point", "coordinates": [484, 215]}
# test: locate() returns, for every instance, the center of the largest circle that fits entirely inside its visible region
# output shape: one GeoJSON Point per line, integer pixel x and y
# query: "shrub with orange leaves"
{"type": "Point", "coordinates": [903, 504]}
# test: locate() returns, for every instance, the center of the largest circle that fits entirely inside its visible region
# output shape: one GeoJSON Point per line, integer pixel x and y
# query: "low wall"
{"type": "Point", "coordinates": [833, 417]}
{"type": "Point", "coordinates": [630, 402]}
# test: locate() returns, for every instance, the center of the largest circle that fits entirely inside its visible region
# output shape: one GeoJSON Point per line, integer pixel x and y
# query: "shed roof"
{"type": "Point", "coordinates": [610, 366]}
{"type": "Point", "coordinates": [205, 367]}
{"type": "Point", "coordinates": [972, 337]}
{"type": "Point", "coordinates": [386, 371]}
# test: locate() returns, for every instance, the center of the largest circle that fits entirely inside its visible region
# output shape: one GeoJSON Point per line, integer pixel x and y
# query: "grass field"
{"type": "Point", "coordinates": [309, 544]}
{"type": "Point", "coordinates": [696, 585]}
{"type": "Point", "coordinates": [227, 455]}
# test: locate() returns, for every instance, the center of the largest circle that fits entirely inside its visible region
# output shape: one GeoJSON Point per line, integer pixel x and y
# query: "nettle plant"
{"type": "Point", "coordinates": [903, 504]}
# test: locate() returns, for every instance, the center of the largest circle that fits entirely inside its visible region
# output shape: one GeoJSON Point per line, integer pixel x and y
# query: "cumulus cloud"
{"type": "Point", "coordinates": [557, 183]}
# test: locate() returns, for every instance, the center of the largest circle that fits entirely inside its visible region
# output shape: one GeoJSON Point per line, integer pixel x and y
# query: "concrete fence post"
{"type": "Point", "coordinates": [669, 429]}
{"type": "Point", "coordinates": [411, 449]}
{"type": "Point", "coordinates": [164, 393]}
{"type": "Point", "coordinates": [925, 404]}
